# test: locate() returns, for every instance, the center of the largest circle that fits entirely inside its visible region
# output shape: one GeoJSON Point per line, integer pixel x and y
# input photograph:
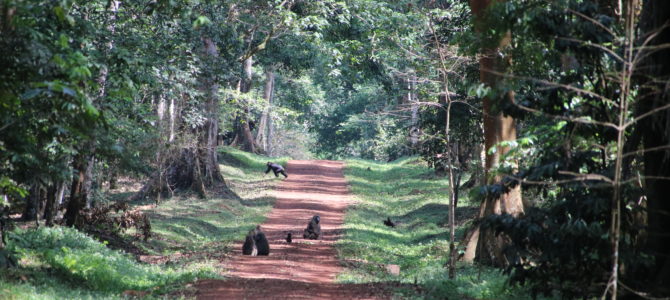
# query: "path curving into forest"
{"type": "Point", "coordinates": [304, 269]}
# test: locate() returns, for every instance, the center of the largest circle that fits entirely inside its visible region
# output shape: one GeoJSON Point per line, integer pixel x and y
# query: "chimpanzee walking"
{"type": "Point", "coordinates": [277, 169]}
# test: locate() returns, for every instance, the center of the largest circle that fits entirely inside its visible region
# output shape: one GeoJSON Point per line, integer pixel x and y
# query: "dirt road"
{"type": "Point", "coordinates": [304, 269]}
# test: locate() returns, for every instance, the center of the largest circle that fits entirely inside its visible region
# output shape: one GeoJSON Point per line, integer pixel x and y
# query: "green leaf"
{"type": "Point", "coordinates": [201, 21]}
{"type": "Point", "coordinates": [63, 41]}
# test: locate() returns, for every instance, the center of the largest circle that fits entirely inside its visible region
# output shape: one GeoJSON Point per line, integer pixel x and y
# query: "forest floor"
{"type": "Point", "coordinates": [303, 268]}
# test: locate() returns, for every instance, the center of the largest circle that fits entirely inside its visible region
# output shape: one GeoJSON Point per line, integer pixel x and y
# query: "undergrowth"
{"type": "Point", "coordinates": [189, 236]}
{"type": "Point", "coordinates": [410, 194]}
{"type": "Point", "coordinates": [84, 262]}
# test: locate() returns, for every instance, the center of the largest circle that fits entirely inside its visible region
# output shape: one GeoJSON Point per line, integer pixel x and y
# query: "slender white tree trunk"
{"type": "Point", "coordinates": [262, 133]}
{"type": "Point", "coordinates": [414, 107]}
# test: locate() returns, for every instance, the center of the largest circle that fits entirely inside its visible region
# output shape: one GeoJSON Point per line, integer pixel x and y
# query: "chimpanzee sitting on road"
{"type": "Point", "coordinates": [277, 169]}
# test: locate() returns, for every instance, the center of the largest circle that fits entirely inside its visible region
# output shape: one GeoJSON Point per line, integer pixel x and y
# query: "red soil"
{"type": "Point", "coordinates": [303, 269]}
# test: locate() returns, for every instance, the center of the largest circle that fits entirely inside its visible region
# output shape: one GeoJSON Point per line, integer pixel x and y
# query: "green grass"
{"type": "Point", "coordinates": [190, 236]}
{"type": "Point", "coordinates": [409, 192]}
{"type": "Point", "coordinates": [75, 259]}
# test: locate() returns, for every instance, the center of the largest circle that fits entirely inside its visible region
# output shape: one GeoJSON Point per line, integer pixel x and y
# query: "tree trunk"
{"type": "Point", "coordinates": [262, 130]}
{"type": "Point", "coordinates": [654, 74]}
{"type": "Point", "coordinates": [31, 210]}
{"type": "Point", "coordinates": [3, 210]}
{"type": "Point", "coordinates": [208, 137]}
{"type": "Point", "coordinates": [173, 114]}
{"type": "Point", "coordinates": [484, 245]}
{"type": "Point", "coordinates": [244, 137]}
{"type": "Point", "coordinates": [50, 206]}
{"type": "Point", "coordinates": [85, 161]}
{"type": "Point", "coordinates": [191, 168]}
{"type": "Point", "coordinates": [271, 132]}
{"type": "Point", "coordinates": [77, 193]}
{"type": "Point", "coordinates": [54, 201]}
{"type": "Point", "coordinates": [89, 186]}
{"type": "Point", "coordinates": [412, 96]}
{"type": "Point", "coordinates": [113, 178]}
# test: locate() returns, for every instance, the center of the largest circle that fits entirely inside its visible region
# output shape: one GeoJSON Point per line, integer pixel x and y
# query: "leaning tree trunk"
{"type": "Point", "coordinates": [654, 74]}
{"type": "Point", "coordinates": [484, 245]}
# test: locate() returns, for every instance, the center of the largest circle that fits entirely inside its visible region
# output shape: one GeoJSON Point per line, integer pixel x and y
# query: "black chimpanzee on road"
{"type": "Point", "coordinates": [277, 169]}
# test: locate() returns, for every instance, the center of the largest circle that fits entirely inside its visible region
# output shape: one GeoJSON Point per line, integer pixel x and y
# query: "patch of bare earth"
{"type": "Point", "coordinates": [304, 269]}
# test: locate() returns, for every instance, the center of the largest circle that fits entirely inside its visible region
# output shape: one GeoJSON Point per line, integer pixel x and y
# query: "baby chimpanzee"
{"type": "Point", "coordinates": [277, 169]}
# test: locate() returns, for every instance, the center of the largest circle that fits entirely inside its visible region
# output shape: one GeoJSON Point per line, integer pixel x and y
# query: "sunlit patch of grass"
{"type": "Point", "coordinates": [408, 191]}
{"type": "Point", "coordinates": [65, 257]}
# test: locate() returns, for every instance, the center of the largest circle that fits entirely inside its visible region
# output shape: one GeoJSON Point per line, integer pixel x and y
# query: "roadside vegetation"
{"type": "Point", "coordinates": [409, 192]}
{"type": "Point", "coordinates": [189, 237]}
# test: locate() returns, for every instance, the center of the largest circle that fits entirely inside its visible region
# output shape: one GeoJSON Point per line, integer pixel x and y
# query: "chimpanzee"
{"type": "Point", "coordinates": [256, 243]}
{"type": "Point", "coordinates": [313, 230]}
{"type": "Point", "coordinates": [277, 169]}
{"type": "Point", "coordinates": [249, 247]}
{"type": "Point", "coordinates": [261, 242]}
{"type": "Point", "coordinates": [389, 223]}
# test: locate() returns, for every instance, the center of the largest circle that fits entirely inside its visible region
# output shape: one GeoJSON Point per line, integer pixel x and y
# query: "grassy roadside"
{"type": "Point", "coordinates": [409, 192]}
{"type": "Point", "coordinates": [191, 229]}
{"type": "Point", "coordinates": [190, 237]}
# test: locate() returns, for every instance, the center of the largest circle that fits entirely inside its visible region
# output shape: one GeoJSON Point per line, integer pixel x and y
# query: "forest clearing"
{"type": "Point", "coordinates": [356, 149]}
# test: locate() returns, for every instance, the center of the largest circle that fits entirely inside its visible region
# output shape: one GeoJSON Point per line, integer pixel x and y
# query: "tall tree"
{"type": "Point", "coordinates": [484, 245]}
{"type": "Point", "coordinates": [84, 162]}
{"type": "Point", "coordinates": [244, 137]}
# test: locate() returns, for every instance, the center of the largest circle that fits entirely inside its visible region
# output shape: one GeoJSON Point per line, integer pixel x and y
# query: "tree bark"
{"type": "Point", "coordinates": [113, 178]}
{"type": "Point", "coordinates": [85, 160]}
{"type": "Point", "coordinates": [262, 132]}
{"type": "Point", "coordinates": [89, 186]}
{"type": "Point", "coordinates": [271, 132]}
{"type": "Point", "coordinates": [31, 211]}
{"type": "Point", "coordinates": [654, 74]}
{"type": "Point", "coordinates": [414, 112]}
{"type": "Point", "coordinates": [194, 168]}
{"type": "Point", "coordinates": [207, 143]}
{"type": "Point", "coordinates": [484, 245]}
{"type": "Point", "coordinates": [50, 206]}
{"type": "Point", "coordinates": [77, 193]}
{"type": "Point", "coordinates": [244, 137]}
